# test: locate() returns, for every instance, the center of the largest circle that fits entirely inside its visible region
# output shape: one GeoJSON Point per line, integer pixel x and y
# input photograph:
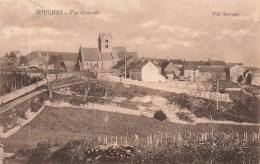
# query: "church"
{"type": "Point", "coordinates": [105, 56]}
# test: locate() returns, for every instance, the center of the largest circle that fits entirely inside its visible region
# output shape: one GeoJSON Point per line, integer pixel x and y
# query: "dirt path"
{"type": "Point", "coordinates": [23, 98]}
{"type": "Point", "coordinates": [19, 100]}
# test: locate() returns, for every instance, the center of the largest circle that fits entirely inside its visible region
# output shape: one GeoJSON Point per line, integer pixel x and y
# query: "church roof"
{"type": "Point", "coordinates": [102, 35]}
{"type": "Point", "coordinates": [118, 52]}
{"type": "Point", "coordinates": [91, 54]}
{"type": "Point", "coordinates": [106, 56]}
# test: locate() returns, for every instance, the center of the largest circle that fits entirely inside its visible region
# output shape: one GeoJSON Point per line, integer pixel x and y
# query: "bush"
{"type": "Point", "coordinates": [160, 115]}
{"type": "Point", "coordinates": [183, 116]}
{"type": "Point", "coordinates": [35, 106]}
{"type": "Point", "coordinates": [75, 101]}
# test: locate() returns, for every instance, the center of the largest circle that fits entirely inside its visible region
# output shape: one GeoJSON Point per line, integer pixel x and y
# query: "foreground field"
{"type": "Point", "coordinates": [60, 125]}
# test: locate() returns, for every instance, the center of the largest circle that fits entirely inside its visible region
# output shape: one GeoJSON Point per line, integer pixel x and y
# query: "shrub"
{"type": "Point", "coordinates": [35, 106]}
{"type": "Point", "coordinates": [183, 116]}
{"type": "Point", "coordinates": [160, 115]}
{"type": "Point", "coordinates": [75, 101]}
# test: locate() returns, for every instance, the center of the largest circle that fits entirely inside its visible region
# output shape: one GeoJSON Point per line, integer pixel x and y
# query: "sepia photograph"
{"type": "Point", "coordinates": [129, 82]}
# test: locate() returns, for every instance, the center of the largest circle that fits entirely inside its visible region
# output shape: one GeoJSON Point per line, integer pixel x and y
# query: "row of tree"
{"type": "Point", "coordinates": [10, 82]}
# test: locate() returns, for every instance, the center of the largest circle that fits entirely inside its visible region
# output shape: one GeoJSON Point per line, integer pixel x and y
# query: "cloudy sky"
{"type": "Point", "coordinates": [167, 28]}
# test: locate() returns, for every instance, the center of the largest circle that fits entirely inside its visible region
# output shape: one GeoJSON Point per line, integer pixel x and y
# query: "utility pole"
{"type": "Point", "coordinates": [217, 93]}
{"type": "Point", "coordinates": [125, 66]}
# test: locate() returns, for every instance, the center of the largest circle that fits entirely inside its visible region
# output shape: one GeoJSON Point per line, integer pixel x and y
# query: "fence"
{"type": "Point", "coordinates": [193, 89]}
{"type": "Point", "coordinates": [155, 140]}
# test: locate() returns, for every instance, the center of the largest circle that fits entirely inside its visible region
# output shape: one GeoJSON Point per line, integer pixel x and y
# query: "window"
{"type": "Point", "coordinates": [106, 46]}
{"type": "Point", "coordinates": [106, 41]}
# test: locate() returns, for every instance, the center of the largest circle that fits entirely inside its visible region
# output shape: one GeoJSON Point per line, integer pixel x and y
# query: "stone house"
{"type": "Point", "coordinates": [234, 72]}
{"type": "Point", "coordinates": [211, 73]}
{"type": "Point", "coordinates": [146, 71]}
{"type": "Point", "coordinates": [190, 72]}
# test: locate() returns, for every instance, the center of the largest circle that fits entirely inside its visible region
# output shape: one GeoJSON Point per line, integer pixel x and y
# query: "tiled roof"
{"type": "Point", "coordinates": [66, 56]}
{"type": "Point", "coordinates": [190, 67]}
{"type": "Point", "coordinates": [106, 56]}
{"type": "Point", "coordinates": [102, 35]}
{"type": "Point", "coordinates": [176, 61]}
{"type": "Point", "coordinates": [118, 52]}
{"type": "Point", "coordinates": [212, 69]}
{"type": "Point", "coordinates": [91, 54]}
{"type": "Point", "coordinates": [217, 63]}
{"type": "Point", "coordinates": [164, 64]}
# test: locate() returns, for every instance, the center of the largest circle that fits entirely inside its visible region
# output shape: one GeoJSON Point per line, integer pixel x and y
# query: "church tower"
{"type": "Point", "coordinates": [105, 43]}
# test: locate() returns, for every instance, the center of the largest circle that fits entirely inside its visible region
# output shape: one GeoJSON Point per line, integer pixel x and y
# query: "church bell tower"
{"type": "Point", "coordinates": [105, 42]}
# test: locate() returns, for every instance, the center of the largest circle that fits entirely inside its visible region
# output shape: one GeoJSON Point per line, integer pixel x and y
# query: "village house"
{"type": "Point", "coordinates": [104, 57]}
{"type": "Point", "coordinates": [40, 59]}
{"type": "Point", "coordinates": [170, 70]}
{"type": "Point", "coordinates": [128, 58]}
{"type": "Point", "coordinates": [252, 76]}
{"type": "Point", "coordinates": [146, 71]}
{"type": "Point", "coordinates": [189, 72]}
{"type": "Point", "coordinates": [210, 73]}
{"type": "Point", "coordinates": [234, 72]}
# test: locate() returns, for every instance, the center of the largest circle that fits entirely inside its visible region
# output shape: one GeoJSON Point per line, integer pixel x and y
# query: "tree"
{"type": "Point", "coordinates": [160, 115]}
{"type": "Point", "coordinates": [24, 60]}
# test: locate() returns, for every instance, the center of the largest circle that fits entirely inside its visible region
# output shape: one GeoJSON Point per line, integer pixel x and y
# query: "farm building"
{"type": "Point", "coordinates": [146, 71]}
{"type": "Point", "coordinates": [234, 72]}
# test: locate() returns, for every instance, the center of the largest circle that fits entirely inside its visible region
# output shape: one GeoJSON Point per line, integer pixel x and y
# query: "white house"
{"type": "Point", "coordinates": [146, 71]}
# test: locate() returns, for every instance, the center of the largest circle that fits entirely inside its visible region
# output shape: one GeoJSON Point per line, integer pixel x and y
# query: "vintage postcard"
{"type": "Point", "coordinates": [129, 81]}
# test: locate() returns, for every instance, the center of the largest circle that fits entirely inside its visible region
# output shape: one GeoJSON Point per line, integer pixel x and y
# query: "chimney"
{"type": "Point", "coordinates": [168, 59]}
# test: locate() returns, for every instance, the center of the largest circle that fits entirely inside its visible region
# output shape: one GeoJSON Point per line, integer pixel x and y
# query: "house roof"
{"type": "Point", "coordinates": [90, 54]}
{"type": "Point", "coordinates": [164, 64]}
{"type": "Point", "coordinates": [212, 69]}
{"type": "Point", "coordinates": [66, 56]}
{"type": "Point", "coordinates": [3, 59]}
{"type": "Point", "coordinates": [253, 69]}
{"type": "Point", "coordinates": [230, 65]}
{"type": "Point", "coordinates": [217, 63]}
{"type": "Point", "coordinates": [191, 63]}
{"type": "Point", "coordinates": [190, 67]}
{"type": "Point", "coordinates": [106, 56]}
{"type": "Point", "coordinates": [176, 61]}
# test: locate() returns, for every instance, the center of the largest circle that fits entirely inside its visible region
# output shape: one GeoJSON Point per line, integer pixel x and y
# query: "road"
{"type": "Point", "coordinates": [14, 103]}
{"type": "Point", "coordinates": [19, 100]}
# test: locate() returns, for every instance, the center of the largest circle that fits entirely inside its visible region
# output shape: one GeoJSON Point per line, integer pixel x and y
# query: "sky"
{"type": "Point", "coordinates": [177, 29]}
